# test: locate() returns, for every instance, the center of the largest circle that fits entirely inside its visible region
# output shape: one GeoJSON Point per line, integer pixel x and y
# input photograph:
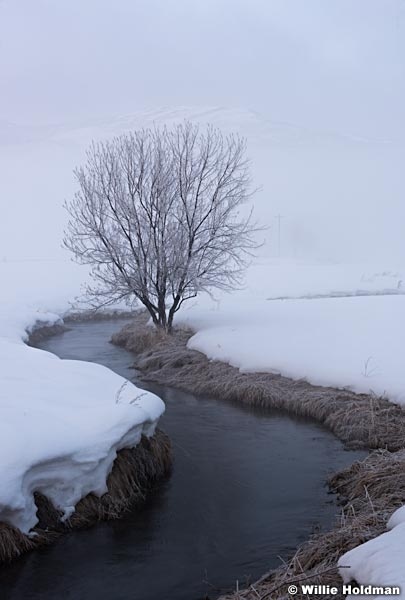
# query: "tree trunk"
{"type": "Point", "coordinates": [172, 312]}
{"type": "Point", "coordinates": [162, 311]}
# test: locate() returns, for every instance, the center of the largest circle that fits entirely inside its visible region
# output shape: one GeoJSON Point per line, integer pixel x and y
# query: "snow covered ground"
{"type": "Point", "coordinates": [354, 341]}
{"type": "Point", "coordinates": [334, 322]}
{"type": "Point", "coordinates": [62, 421]}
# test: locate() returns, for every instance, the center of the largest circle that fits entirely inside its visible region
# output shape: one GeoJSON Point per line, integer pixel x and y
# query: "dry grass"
{"type": "Point", "coordinates": [140, 338]}
{"type": "Point", "coordinates": [359, 420]}
{"type": "Point", "coordinates": [40, 333]}
{"type": "Point", "coordinates": [99, 315]}
{"type": "Point", "coordinates": [369, 490]}
{"type": "Point", "coordinates": [134, 473]}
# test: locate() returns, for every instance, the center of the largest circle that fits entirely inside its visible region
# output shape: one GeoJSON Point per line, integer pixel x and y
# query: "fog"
{"type": "Point", "coordinates": [317, 87]}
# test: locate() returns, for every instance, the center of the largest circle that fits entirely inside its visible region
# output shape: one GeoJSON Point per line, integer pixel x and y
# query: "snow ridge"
{"type": "Point", "coordinates": [63, 422]}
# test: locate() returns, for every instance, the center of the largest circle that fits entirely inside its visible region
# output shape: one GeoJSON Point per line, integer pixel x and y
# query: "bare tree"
{"type": "Point", "coordinates": [157, 217]}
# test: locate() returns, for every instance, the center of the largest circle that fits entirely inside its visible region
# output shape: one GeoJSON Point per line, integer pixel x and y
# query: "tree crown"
{"type": "Point", "coordinates": [157, 217]}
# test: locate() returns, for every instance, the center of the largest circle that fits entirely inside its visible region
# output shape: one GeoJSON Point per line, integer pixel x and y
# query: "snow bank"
{"type": "Point", "coordinates": [354, 342]}
{"type": "Point", "coordinates": [380, 561]}
{"type": "Point", "coordinates": [62, 422]}
{"type": "Point", "coordinates": [283, 278]}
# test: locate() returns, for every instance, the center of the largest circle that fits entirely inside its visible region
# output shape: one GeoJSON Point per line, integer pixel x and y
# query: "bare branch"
{"type": "Point", "coordinates": [157, 217]}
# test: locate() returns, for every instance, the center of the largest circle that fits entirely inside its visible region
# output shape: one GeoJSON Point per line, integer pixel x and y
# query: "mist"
{"type": "Point", "coordinates": [317, 88]}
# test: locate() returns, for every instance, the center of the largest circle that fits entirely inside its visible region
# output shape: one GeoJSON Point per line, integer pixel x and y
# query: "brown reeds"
{"type": "Point", "coordinates": [41, 332]}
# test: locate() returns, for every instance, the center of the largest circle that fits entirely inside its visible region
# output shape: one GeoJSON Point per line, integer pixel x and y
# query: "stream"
{"type": "Point", "coordinates": [247, 487]}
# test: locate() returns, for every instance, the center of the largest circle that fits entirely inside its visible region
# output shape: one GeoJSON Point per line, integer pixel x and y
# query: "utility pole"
{"type": "Point", "coordinates": [279, 217]}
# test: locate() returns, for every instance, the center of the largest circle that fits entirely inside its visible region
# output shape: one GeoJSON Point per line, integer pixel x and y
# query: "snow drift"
{"type": "Point", "coordinates": [61, 427]}
{"type": "Point", "coordinates": [379, 561]}
{"type": "Point", "coordinates": [62, 421]}
{"type": "Point", "coordinates": [350, 342]}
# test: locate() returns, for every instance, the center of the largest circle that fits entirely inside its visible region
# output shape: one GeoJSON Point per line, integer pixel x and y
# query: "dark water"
{"type": "Point", "coordinates": [246, 488]}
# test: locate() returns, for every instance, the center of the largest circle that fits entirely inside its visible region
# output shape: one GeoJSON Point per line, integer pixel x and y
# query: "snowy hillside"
{"type": "Point", "coordinates": [329, 188]}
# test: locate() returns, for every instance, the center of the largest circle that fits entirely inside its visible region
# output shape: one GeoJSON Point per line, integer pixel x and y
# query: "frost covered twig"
{"type": "Point", "coordinates": [118, 396]}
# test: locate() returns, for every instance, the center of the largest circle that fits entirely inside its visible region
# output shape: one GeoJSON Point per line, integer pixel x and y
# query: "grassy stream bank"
{"type": "Point", "coordinates": [369, 491]}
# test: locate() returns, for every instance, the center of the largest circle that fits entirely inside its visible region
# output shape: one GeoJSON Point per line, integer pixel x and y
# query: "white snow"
{"type": "Point", "coordinates": [380, 561]}
{"type": "Point", "coordinates": [62, 421]}
{"type": "Point", "coordinates": [353, 342]}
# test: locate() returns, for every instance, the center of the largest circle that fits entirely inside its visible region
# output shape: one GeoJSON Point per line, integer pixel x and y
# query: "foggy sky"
{"type": "Point", "coordinates": [335, 64]}
{"type": "Point", "coordinates": [321, 65]}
